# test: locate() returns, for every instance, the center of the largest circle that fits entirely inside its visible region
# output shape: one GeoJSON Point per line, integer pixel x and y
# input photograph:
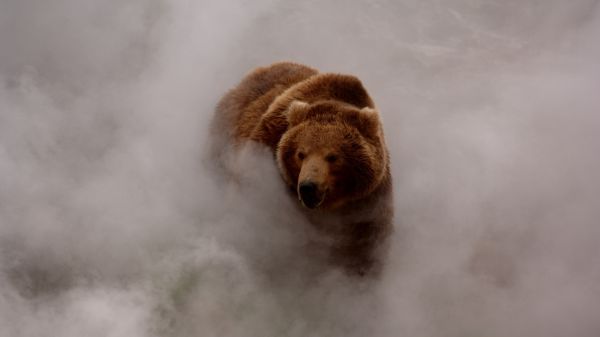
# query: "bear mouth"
{"type": "Point", "coordinates": [311, 204]}
{"type": "Point", "coordinates": [310, 196]}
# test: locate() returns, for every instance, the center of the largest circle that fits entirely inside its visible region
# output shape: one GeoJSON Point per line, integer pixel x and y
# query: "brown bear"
{"type": "Point", "coordinates": [328, 143]}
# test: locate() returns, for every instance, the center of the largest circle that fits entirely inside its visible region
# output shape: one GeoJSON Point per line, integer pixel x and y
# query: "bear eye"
{"type": "Point", "coordinates": [331, 158]}
{"type": "Point", "coordinates": [301, 155]}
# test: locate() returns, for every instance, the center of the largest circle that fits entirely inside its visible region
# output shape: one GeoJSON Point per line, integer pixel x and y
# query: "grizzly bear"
{"type": "Point", "coordinates": [327, 140]}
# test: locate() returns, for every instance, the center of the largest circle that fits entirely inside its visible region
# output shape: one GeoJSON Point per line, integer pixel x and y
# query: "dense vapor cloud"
{"type": "Point", "coordinates": [112, 224]}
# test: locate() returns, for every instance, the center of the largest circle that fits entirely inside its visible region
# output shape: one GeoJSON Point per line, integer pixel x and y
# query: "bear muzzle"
{"type": "Point", "coordinates": [310, 195]}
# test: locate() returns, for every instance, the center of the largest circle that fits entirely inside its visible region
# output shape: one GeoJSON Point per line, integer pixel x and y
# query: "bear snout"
{"type": "Point", "coordinates": [309, 194]}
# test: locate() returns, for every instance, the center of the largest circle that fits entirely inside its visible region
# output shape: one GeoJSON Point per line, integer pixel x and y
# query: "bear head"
{"type": "Point", "coordinates": [332, 153]}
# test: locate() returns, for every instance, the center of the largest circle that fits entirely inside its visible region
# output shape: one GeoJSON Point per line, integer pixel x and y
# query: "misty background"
{"type": "Point", "coordinates": [112, 225]}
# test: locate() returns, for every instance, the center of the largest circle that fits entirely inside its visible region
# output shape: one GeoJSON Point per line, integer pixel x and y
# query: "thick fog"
{"type": "Point", "coordinates": [112, 223]}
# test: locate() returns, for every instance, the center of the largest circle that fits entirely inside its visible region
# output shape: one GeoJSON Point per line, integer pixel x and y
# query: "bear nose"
{"type": "Point", "coordinates": [309, 194]}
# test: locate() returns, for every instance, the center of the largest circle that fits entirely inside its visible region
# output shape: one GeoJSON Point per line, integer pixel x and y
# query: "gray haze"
{"type": "Point", "coordinates": [111, 225]}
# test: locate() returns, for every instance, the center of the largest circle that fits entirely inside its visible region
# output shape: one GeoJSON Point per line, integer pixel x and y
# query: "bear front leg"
{"type": "Point", "coordinates": [361, 251]}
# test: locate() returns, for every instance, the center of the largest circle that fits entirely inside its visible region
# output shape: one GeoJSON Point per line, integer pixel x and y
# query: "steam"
{"type": "Point", "coordinates": [111, 223]}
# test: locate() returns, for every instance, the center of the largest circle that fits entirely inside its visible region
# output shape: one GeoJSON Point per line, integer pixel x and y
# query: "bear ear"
{"type": "Point", "coordinates": [296, 112]}
{"type": "Point", "coordinates": [368, 122]}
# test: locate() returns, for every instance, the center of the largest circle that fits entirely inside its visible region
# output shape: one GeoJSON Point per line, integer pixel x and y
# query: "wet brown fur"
{"type": "Point", "coordinates": [322, 127]}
